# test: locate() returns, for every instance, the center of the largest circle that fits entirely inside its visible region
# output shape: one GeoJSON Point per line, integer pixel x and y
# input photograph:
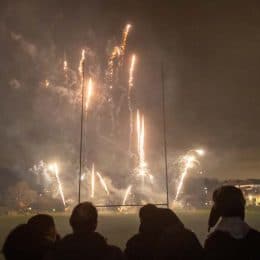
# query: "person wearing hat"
{"type": "Point", "coordinates": [232, 238]}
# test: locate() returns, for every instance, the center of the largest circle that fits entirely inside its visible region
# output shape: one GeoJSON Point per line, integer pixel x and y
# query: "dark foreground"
{"type": "Point", "coordinates": [118, 228]}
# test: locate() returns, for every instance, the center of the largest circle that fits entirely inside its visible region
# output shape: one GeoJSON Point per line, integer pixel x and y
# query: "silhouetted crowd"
{"type": "Point", "coordinates": [161, 235]}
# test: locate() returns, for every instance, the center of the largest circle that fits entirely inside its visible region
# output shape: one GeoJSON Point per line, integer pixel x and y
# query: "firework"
{"type": "Point", "coordinates": [127, 193]}
{"type": "Point", "coordinates": [82, 178]}
{"type": "Point", "coordinates": [109, 78]}
{"type": "Point", "coordinates": [81, 69]}
{"type": "Point", "coordinates": [189, 163]}
{"type": "Point", "coordinates": [131, 71]}
{"type": "Point", "coordinates": [142, 166]}
{"type": "Point", "coordinates": [65, 69]}
{"type": "Point", "coordinates": [65, 65]}
{"type": "Point", "coordinates": [46, 83]}
{"type": "Point", "coordinates": [89, 93]}
{"type": "Point", "coordinates": [103, 183]}
{"type": "Point", "coordinates": [130, 86]}
{"type": "Point", "coordinates": [189, 160]}
{"type": "Point", "coordinates": [138, 129]}
{"type": "Point", "coordinates": [124, 38]}
{"type": "Point", "coordinates": [93, 181]}
{"type": "Point", "coordinates": [110, 67]}
{"type": "Point", "coordinates": [81, 62]}
{"type": "Point", "coordinates": [200, 152]}
{"type": "Point", "coordinates": [54, 168]}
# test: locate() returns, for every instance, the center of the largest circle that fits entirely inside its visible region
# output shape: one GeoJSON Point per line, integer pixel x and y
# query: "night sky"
{"type": "Point", "coordinates": [211, 56]}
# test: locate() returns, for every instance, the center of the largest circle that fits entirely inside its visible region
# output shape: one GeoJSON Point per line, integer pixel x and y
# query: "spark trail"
{"type": "Point", "coordinates": [89, 93]}
{"type": "Point", "coordinates": [127, 193]}
{"type": "Point", "coordinates": [130, 106]}
{"type": "Point", "coordinates": [103, 183]}
{"type": "Point", "coordinates": [188, 164]}
{"type": "Point", "coordinates": [110, 67]}
{"type": "Point", "coordinates": [81, 63]}
{"type": "Point", "coordinates": [124, 38]}
{"type": "Point", "coordinates": [189, 160]}
{"type": "Point", "coordinates": [54, 168]}
{"type": "Point", "coordinates": [142, 170]}
{"type": "Point", "coordinates": [93, 181]}
{"type": "Point", "coordinates": [142, 165]}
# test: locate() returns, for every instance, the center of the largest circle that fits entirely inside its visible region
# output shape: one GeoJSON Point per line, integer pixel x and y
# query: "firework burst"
{"type": "Point", "coordinates": [188, 161]}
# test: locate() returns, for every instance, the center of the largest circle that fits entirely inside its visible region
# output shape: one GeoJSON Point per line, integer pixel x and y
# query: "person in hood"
{"type": "Point", "coordinates": [143, 244]}
{"type": "Point", "coordinates": [232, 238]}
{"type": "Point", "coordinates": [176, 242]}
{"type": "Point", "coordinates": [85, 242]}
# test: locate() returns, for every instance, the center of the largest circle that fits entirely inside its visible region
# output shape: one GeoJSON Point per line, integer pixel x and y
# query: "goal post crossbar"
{"type": "Point", "coordinates": [128, 205]}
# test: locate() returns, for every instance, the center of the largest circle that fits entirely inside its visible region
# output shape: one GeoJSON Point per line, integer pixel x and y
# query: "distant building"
{"type": "Point", "coordinates": [250, 188]}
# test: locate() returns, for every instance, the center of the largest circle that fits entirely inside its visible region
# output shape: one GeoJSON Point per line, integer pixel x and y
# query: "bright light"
{"type": "Point", "coordinates": [131, 71]}
{"type": "Point", "coordinates": [124, 38]}
{"type": "Point", "coordinates": [89, 93]}
{"type": "Point", "coordinates": [65, 65]}
{"type": "Point", "coordinates": [200, 152]}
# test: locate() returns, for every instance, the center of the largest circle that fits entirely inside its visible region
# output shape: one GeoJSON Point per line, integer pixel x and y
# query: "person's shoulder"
{"type": "Point", "coordinates": [115, 252]}
{"type": "Point", "coordinates": [98, 236]}
{"type": "Point", "coordinates": [66, 238]}
{"type": "Point", "coordinates": [64, 242]}
{"type": "Point", "coordinates": [214, 237]}
{"type": "Point", "coordinates": [191, 235]}
{"type": "Point", "coordinates": [216, 234]}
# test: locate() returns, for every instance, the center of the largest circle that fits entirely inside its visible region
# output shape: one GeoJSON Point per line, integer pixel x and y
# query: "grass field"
{"type": "Point", "coordinates": [117, 228]}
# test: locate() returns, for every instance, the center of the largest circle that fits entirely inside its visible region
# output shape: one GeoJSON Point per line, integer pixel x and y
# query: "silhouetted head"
{"type": "Point", "coordinates": [147, 211]}
{"type": "Point", "coordinates": [148, 218]}
{"type": "Point", "coordinates": [167, 218]}
{"type": "Point", "coordinates": [17, 244]}
{"type": "Point", "coordinates": [84, 218]}
{"type": "Point", "coordinates": [228, 202]}
{"type": "Point", "coordinates": [43, 225]}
